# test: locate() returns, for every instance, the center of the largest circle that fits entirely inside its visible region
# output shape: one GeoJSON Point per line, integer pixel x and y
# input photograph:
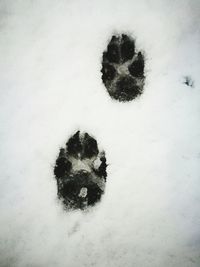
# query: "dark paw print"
{"type": "Point", "coordinates": [80, 172]}
{"type": "Point", "coordinates": [123, 69]}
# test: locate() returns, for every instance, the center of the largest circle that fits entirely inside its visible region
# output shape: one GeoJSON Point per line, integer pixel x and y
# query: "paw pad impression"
{"type": "Point", "coordinates": [123, 69]}
{"type": "Point", "coordinates": [80, 171]}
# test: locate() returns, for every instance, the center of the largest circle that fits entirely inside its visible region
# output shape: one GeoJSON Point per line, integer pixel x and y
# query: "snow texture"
{"type": "Point", "coordinates": [50, 74]}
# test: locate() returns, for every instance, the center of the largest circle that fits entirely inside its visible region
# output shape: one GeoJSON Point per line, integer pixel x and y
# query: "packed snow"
{"type": "Point", "coordinates": [51, 86]}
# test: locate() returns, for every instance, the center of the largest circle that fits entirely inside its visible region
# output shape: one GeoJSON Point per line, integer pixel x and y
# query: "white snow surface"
{"type": "Point", "coordinates": [51, 86]}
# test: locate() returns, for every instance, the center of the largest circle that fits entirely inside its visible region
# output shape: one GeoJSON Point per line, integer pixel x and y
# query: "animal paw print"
{"type": "Point", "coordinates": [123, 69]}
{"type": "Point", "coordinates": [80, 172]}
{"type": "Point", "coordinates": [80, 168]}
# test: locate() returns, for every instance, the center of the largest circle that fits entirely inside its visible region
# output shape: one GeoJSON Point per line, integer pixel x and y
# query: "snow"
{"type": "Point", "coordinates": [51, 86]}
